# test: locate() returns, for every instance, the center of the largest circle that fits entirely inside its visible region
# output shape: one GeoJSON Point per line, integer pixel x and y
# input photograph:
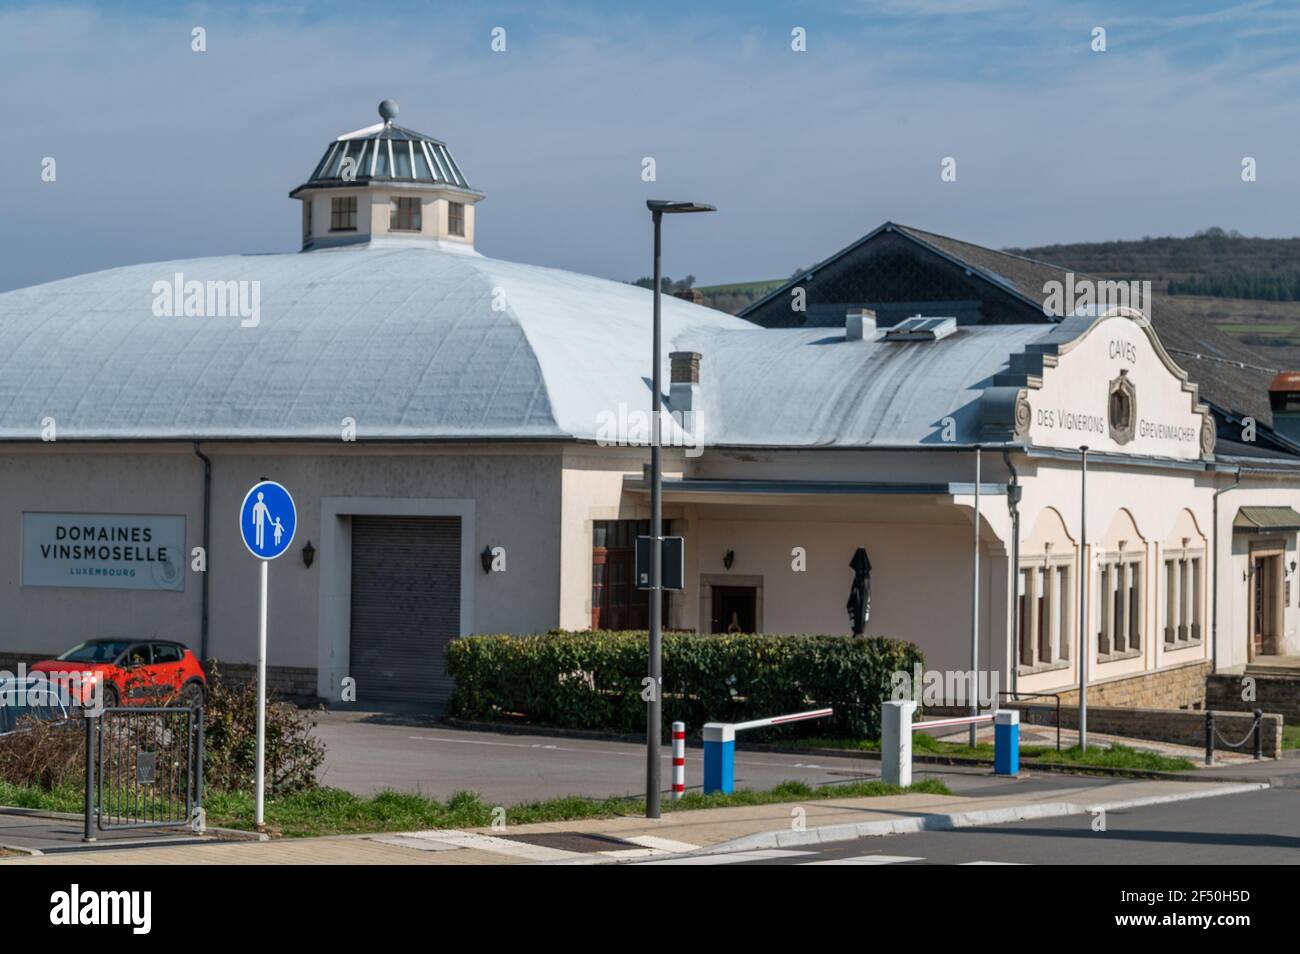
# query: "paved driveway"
{"type": "Point", "coordinates": [370, 753]}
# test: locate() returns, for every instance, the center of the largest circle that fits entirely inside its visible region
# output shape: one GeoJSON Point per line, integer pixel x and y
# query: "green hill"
{"type": "Point", "coordinates": [1249, 287]}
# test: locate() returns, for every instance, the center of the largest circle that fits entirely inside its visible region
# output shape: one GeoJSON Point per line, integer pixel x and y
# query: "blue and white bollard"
{"type": "Point", "coordinates": [719, 758]}
{"type": "Point", "coordinates": [1006, 742]}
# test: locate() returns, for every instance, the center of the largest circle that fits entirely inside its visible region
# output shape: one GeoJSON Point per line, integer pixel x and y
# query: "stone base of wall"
{"type": "Point", "coordinates": [9, 660]}
{"type": "Point", "coordinates": [1182, 687]}
{"type": "Point", "coordinates": [292, 683]}
{"type": "Point", "coordinates": [1179, 726]}
{"type": "Point", "coordinates": [1273, 693]}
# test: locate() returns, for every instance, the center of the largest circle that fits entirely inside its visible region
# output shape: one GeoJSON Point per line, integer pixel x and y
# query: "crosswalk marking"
{"type": "Point", "coordinates": [739, 857]}
{"type": "Point", "coordinates": [867, 860]}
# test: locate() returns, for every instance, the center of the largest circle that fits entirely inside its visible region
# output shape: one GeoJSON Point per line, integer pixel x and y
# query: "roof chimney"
{"type": "Point", "coordinates": [684, 381]}
{"type": "Point", "coordinates": [859, 323]}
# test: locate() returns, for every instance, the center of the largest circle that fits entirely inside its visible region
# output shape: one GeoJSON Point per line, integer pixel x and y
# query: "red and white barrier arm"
{"type": "Point", "coordinates": [783, 719]}
{"type": "Point", "coordinates": [940, 723]}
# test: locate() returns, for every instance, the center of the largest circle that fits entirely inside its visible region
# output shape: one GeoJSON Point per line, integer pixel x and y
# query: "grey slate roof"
{"type": "Point", "coordinates": [1231, 376]}
{"type": "Point", "coordinates": [811, 387]}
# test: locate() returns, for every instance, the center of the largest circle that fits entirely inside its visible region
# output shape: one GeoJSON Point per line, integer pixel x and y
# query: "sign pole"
{"type": "Point", "coordinates": [268, 520]}
{"type": "Point", "coordinates": [261, 702]}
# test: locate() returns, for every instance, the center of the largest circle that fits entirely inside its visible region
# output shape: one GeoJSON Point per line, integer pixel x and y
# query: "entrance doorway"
{"type": "Point", "coordinates": [1265, 604]}
{"type": "Point", "coordinates": [735, 609]}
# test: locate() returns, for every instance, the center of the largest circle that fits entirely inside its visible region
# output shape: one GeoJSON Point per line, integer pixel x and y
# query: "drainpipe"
{"type": "Point", "coordinates": [1214, 562]}
{"type": "Point", "coordinates": [1013, 505]}
{"type": "Point", "coordinates": [207, 510]}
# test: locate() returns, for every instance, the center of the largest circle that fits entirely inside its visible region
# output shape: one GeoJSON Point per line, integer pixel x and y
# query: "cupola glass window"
{"type": "Point", "coordinates": [456, 218]}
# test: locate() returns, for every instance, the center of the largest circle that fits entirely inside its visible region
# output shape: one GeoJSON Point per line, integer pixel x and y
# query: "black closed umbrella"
{"type": "Point", "coordinates": [859, 605]}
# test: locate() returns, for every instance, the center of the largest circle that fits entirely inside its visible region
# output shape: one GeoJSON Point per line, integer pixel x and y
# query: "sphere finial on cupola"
{"type": "Point", "coordinates": [388, 110]}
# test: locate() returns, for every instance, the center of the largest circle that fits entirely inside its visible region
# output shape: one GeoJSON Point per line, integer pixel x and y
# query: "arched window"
{"type": "Point", "coordinates": [1119, 604]}
{"type": "Point", "coordinates": [1182, 583]}
{"type": "Point", "coordinates": [1045, 595]}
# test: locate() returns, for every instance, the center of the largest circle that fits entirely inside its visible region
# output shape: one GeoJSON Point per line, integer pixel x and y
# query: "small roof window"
{"type": "Point", "coordinates": [920, 328]}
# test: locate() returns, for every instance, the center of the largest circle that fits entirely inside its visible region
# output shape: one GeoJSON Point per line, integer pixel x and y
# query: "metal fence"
{"type": "Point", "coordinates": [144, 768]}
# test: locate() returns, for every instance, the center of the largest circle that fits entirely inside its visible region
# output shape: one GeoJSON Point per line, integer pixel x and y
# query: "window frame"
{"type": "Point", "coordinates": [1123, 603]}
{"type": "Point", "coordinates": [456, 218]}
{"type": "Point", "coordinates": [339, 212]}
{"type": "Point", "coordinates": [405, 207]}
{"type": "Point", "coordinates": [1037, 598]}
{"type": "Point", "coordinates": [1188, 564]}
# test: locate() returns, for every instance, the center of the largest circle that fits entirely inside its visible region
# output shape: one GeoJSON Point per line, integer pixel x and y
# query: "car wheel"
{"type": "Point", "coordinates": [192, 695]}
{"type": "Point", "coordinates": [110, 696]}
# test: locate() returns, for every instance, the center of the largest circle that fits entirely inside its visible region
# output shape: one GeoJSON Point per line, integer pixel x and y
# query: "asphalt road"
{"type": "Point", "coordinates": [1255, 828]}
{"type": "Point", "coordinates": [369, 756]}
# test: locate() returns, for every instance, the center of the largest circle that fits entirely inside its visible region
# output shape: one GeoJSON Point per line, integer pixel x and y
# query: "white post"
{"type": "Point", "coordinates": [261, 702]}
{"type": "Point", "coordinates": [679, 759]}
{"type": "Point", "coordinates": [896, 742]}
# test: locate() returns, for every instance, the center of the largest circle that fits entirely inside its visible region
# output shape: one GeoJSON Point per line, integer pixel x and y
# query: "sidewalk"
{"type": "Point", "coordinates": [611, 839]}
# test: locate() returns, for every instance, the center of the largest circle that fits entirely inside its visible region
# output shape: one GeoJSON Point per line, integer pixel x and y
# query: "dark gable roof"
{"type": "Point", "coordinates": [1230, 376]}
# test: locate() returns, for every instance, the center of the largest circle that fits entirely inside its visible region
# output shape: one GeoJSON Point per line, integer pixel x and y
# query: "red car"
{"type": "Point", "coordinates": [151, 672]}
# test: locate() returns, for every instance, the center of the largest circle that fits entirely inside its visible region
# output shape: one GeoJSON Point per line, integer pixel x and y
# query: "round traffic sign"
{"type": "Point", "coordinates": [267, 520]}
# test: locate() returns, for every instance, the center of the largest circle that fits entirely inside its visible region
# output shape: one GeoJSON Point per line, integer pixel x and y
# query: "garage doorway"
{"type": "Point", "coordinates": [405, 608]}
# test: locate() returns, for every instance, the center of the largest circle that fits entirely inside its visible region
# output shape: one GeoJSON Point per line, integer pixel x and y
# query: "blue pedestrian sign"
{"type": "Point", "coordinates": [267, 520]}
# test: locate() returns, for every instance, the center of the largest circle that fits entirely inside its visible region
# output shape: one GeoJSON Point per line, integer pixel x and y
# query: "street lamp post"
{"type": "Point", "coordinates": [657, 207]}
{"type": "Point", "coordinates": [1085, 575]}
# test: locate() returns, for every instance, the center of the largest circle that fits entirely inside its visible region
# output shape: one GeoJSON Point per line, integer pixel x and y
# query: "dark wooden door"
{"type": "Point", "coordinates": [735, 609]}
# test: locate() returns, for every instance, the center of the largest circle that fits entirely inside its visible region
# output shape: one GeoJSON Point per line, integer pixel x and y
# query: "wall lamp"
{"type": "Point", "coordinates": [486, 558]}
{"type": "Point", "coordinates": [308, 555]}
{"type": "Point", "coordinates": [729, 559]}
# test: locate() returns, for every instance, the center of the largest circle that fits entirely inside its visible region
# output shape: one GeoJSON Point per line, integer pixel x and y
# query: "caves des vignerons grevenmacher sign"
{"type": "Point", "coordinates": [109, 550]}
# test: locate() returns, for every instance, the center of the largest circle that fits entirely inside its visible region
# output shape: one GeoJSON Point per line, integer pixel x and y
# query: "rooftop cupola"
{"type": "Point", "coordinates": [387, 183]}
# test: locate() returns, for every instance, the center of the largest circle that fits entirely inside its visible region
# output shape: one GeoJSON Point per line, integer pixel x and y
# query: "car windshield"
{"type": "Point", "coordinates": [95, 651]}
{"type": "Point", "coordinates": [17, 705]}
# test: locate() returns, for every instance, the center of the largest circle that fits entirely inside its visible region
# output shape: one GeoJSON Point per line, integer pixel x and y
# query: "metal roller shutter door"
{"type": "Point", "coordinates": [405, 606]}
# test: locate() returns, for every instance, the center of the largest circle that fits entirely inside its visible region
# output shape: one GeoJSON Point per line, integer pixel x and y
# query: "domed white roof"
{"type": "Point", "coordinates": [410, 341]}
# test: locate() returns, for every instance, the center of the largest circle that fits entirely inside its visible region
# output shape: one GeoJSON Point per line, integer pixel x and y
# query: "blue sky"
{"type": "Point", "coordinates": [165, 153]}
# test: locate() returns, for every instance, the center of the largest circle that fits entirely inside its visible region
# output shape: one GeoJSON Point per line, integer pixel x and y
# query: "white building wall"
{"type": "Point", "coordinates": [515, 491]}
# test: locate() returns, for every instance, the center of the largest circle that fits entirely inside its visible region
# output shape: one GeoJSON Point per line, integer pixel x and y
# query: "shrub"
{"type": "Point", "coordinates": [44, 755]}
{"type": "Point", "coordinates": [293, 754]}
{"type": "Point", "coordinates": [592, 680]}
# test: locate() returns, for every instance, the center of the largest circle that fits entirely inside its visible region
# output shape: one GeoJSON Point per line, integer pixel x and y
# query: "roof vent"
{"type": "Point", "coordinates": [918, 328]}
{"type": "Point", "coordinates": [858, 323]}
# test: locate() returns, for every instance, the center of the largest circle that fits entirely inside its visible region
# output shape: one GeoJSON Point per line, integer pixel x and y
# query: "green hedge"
{"type": "Point", "coordinates": [592, 680]}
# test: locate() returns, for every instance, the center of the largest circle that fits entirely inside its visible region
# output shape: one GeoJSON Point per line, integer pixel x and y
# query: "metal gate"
{"type": "Point", "coordinates": [144, 769]}
{"type": "Point", "coordinates": [405, 606]}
